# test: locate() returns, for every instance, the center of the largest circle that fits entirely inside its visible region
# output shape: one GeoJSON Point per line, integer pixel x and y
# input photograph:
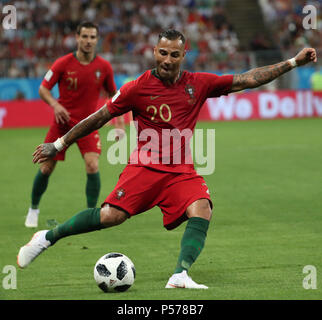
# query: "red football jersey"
{"type": "Point", "coordinates": [166, 115]}
{"type": "Point", "coordinates": [80, 85]}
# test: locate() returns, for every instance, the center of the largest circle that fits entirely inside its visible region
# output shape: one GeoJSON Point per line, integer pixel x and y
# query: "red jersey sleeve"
{"type": "Point", "coordinates": [53, 74]}
{"type": "Point", "coordinates": [217, 85]}
{"type": "Point", "coordinates": [123, 100]}
{"type": "Point", "coordinates": [109, 83]}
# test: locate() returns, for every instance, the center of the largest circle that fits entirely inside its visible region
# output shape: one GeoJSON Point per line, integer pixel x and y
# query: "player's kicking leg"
{"type": "Point", "coordinates": [85, 221]}
{"type": "Point", "coordinates": [33, 248]}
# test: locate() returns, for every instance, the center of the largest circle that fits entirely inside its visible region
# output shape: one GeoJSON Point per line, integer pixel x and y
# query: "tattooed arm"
{"type": "Point", "coordinates": [259, 76]}
{"type": "Point", "coordinates": [93, 122]}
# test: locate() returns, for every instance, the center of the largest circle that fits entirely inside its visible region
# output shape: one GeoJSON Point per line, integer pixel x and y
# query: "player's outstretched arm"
{"type": "Point", "coordinates": [259, 76]}
{"type": "Point", "coordinates": [93, 122]}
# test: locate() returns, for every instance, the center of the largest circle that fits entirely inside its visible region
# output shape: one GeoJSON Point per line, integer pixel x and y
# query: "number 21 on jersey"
{"type": "Point", "coordinates": [72, 83]}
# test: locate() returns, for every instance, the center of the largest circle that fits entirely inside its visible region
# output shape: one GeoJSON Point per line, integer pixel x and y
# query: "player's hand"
{"type": "Point", "coordinates": [44, 152]}
{"type": "Point", "coordinates": [61, 114]}
{"type": "Point", "coordinates": [305, 56]}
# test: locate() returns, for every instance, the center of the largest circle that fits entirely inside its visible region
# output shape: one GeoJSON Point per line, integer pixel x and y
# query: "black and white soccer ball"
{"type": "Point", "coordinates": [114, 272]}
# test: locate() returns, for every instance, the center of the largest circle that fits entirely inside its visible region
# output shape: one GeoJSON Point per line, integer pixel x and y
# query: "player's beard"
{"type": "Point", "coordinates": [87, 49]}
{"type": "Point", "coordinates": [87, 52]}
{"type": "Point", "coordinates": [167, 74]}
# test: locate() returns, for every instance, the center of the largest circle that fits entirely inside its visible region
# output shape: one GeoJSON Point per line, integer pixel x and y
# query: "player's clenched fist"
{"type": "Point", "coordinates": [305, 56]}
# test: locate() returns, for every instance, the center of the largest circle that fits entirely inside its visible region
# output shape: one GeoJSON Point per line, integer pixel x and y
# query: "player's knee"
{"type": "Point", "coordinates": [200, 208]}
{"type": "Point", "coordinates": [91, 166]}
{"type": "Point", "coordinates": [111, 216]}
{"type": "Point", "coordinates": [47, 168]}
{"type": "Point", "coordinates": [206, 211]}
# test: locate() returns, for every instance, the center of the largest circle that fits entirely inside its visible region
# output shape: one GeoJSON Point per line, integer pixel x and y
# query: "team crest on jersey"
{"type": "Point", "coordinates": [190, 90]}
{"type": "Point", "coordinates": [120, 193]}
{"type": "Point", "coordinates": [98, 74]}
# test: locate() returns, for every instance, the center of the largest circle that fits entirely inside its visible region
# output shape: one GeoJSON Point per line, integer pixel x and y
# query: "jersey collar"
{"type": "Point", "coordinates": [155, 73]}
{"type": "Point", "coordinates": [74, 54]}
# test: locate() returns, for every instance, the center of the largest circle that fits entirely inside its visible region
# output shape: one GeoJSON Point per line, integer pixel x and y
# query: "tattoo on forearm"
{"type": "Point", "coordinates": [88, 125]}
{"type": "Point", "coordinates": [266, 74]}
{"type": "Point", "coordinates": [259, 76]}
{"type": "Point", "coordinates": [80, 130]}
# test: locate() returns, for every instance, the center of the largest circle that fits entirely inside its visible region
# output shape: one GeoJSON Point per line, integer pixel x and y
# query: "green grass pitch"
{"type": "Point", "coordinates": [266, 227]}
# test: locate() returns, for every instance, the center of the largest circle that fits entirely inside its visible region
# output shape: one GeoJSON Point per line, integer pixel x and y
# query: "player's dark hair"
{"type": "Point", "coordinates": [86, 24]}
{"type": "Point", "coordinates": [172, 34]}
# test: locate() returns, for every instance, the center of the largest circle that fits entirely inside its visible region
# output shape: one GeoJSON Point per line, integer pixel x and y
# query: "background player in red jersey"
{"type": "Point", "coordinates": [161, 99]}
{"type": "Point", "coordinates": [80, 76]}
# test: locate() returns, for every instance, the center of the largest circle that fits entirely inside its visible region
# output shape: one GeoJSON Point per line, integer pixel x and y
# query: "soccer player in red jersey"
{"type": "Point", "coordinates": [161, 99]}
{"type": "Point", "coordinates": [80, 76]}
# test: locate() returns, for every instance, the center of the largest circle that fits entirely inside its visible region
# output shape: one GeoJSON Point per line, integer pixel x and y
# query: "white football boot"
{"type": "Point", "coordinates": [182, 280]}
{"type": "Point", "coordinates": [32, 249]}
{"type": "Point", "coordinates": [32, 218]}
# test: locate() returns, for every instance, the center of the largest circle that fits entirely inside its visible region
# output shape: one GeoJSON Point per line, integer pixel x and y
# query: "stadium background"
{"type": "Point", "coordinates": [221, 39]}
{"type": "Point", "coordinates": [224, 36]}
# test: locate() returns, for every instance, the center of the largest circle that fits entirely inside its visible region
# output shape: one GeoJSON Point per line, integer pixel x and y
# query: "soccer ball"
{"type": "Point", "coordinates": [114, 272]}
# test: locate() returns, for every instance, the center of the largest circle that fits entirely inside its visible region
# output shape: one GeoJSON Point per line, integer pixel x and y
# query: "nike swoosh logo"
{"type": "Point", "coordinates": [153, 98]}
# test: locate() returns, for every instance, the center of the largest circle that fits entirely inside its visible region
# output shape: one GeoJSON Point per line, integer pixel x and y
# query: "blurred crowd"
{"type": "Point", "coordinates": [129, 31]}
{"type": "Point", "coordinates": [285, 19]}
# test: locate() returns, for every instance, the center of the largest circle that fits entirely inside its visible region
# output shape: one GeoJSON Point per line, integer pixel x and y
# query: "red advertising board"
{"type": "Point", "coordinates": [29, 113]}
{"type": "Point", "coordinates": [25, 113]}
{"type": "Point", "coordinates": [263, 105]}
{"type": "Point", "coordinates": [237, 106]}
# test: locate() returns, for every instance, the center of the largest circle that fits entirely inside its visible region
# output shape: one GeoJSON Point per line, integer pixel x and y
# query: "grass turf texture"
{"type": "Point", "coordinates": [267, 223]}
